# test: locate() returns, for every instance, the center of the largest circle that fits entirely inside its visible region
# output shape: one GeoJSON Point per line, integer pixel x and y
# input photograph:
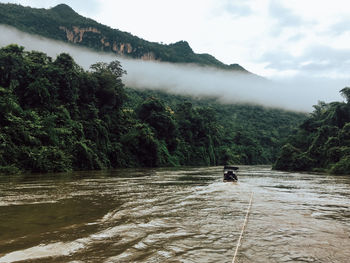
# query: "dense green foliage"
{"type": "Point", "coordinates": [55, 116]}
{"type": "Point", "coordinates": [245, 134]}
{"type": "Point", "coordinates": [48, 23]}
{"type": "Point", "coordinates": [322, 142]}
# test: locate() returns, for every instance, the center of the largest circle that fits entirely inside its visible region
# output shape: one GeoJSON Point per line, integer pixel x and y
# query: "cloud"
{"type": "Point", "coordinates": [317, 60]}
{"type": "Point", "coordinates": [296, 37]}
{"type": "Point", "coordinates": [340, 27]}
{"type": "Point", "coordinates": [226, 86]}
{"type": "Point", "coordinates": [284, 18]}
{"type": "Point", "coordinates": [236, 8]}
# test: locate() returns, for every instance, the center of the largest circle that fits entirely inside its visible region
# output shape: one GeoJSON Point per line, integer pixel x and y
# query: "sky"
{"type": "Point", "coordinates": [304, 42]}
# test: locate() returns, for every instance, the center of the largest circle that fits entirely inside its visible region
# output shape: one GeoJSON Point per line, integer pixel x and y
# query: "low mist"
{"type": "Point", "coordinates": [297, 94]}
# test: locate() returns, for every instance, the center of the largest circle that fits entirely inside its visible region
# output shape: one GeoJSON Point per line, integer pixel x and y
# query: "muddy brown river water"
{"type": "Point", "coordinates": [174, 215]}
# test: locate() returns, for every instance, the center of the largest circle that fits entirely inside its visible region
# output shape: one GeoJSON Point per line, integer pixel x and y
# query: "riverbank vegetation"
{"type": "Point", "coordinates": [55, 116]}
{"type": "Point", "coordinates": [322, 142]}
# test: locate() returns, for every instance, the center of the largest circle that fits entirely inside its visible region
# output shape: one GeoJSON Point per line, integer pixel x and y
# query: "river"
{"type": "Point", "coordinates": [174, 215]}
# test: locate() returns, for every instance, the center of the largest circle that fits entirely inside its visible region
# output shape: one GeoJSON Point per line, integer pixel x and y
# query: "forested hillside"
{"type": "Point", "coordinates": [249, 134]}
{"type": "Point", "coordinates": [63, 23]}
{"type": "Point", "coordinates": [55, 116]}
{"type": "Point", "coordinates": [322, 142]}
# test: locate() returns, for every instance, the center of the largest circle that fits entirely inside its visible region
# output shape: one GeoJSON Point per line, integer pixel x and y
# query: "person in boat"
{"type": "Point", "coordinates": [230, 176]}
{"type": "Point", "coordinates": [229, 173]}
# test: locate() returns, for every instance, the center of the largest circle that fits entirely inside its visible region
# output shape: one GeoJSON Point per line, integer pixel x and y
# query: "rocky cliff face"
{"type": "Point", "coordinates": [78, 35]}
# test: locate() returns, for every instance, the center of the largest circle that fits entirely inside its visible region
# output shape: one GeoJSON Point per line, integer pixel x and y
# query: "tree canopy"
{"type": "Point", "coordinates": [56, 116]}
{"type": "Point", "coordinates": [322, 141]}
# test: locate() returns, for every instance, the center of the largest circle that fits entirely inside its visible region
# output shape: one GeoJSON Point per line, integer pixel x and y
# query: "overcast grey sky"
{"type": "Point", "coordinates": [297, 41]}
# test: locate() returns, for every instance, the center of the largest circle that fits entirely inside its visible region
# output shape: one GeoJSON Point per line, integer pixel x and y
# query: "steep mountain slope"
{"type": "Point", "coordinates": [63, 23]}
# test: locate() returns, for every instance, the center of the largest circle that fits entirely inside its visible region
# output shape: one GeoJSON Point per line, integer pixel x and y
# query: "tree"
{"type": "Point", "coordinates": [109, 93]}
{"type": "Point", "coordinates": [142, 144]}
{"type": "Point", "coordinates": [12, 66]}
{"type": "Point", "coordinates": [37, 94]}
{"type": "Point", "coordinates": [322, 141]}
{"type": "Point", "coordinates": [154, 113]}
{"type": "Point", "coordinates": [345, 92]}
{"type": "Point", "coordinates": [66, 79]}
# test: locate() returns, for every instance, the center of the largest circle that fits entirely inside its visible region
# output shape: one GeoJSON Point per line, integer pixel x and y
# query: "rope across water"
{"type": "Point", "coordinates": [243, 228]}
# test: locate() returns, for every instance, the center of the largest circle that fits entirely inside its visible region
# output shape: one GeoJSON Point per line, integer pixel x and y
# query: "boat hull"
{"type": "Point", "coordinates": [230, 181]}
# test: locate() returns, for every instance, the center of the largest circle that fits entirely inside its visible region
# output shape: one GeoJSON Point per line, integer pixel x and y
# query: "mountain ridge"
{"type": "Point", "coordinates": [63, 23]}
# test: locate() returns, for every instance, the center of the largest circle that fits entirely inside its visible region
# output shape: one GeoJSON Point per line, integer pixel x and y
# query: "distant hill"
{"type": "Point", "coordinates": [63, 23]}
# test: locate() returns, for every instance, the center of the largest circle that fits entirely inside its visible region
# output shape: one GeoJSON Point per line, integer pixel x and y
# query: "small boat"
{"type": "Point", "coordinates": [230, 173]}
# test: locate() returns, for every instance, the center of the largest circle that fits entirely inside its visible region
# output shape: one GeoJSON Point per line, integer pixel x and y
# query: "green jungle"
{"type": "Point", "coordinates": [322, 142]}
{"type": "Point", "coordinates": [56, 116]}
